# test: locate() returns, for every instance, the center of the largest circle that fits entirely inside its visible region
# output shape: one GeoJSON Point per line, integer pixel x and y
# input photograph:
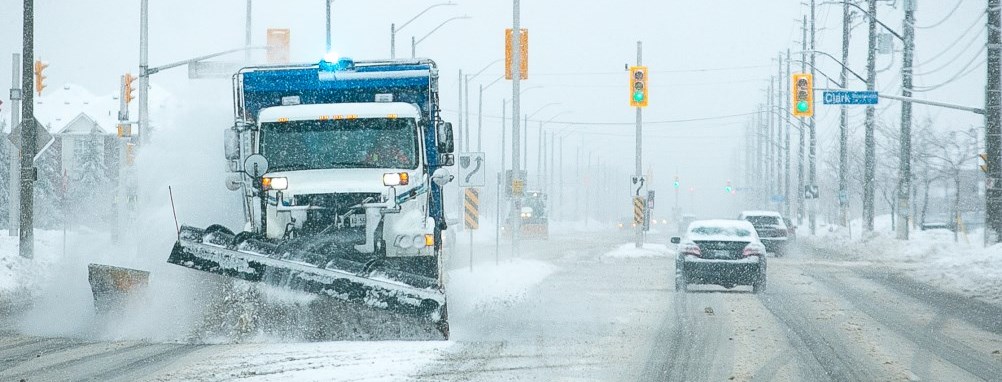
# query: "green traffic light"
{"type": "Point", "coordinates": [802, 106]}
{"type": "Point", "coordinates": [638, 96]}
{"type": "Point", "coordinates": [677, 185]}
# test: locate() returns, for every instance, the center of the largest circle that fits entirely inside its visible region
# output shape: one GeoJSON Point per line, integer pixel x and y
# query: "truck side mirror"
{"type": "Point", "coordinates": [446, 160]}
{"type": "Point", "coordinates": [231, 144]}
{"type": "Point", "coordinates": [445, 140]}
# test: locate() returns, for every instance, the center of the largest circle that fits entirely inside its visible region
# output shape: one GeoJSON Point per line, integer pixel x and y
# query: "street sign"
{"type": "Point", "coordinates": [212, 69]}
{"type": "Point", "coordinates": [845, 97]}
{"type": "Point", "coordinates": [512, 181]}
{"type": "Point", "coordinates": [471, 209]}
{"type": "Point", "coordinates": [471, 170]}
{"type": "Point", "coordinates": [42, 137]}
{"type": "Point", "coordinates": [810, 192]}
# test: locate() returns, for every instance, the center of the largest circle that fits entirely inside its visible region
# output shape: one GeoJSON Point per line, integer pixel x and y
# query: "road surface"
{"type": "Point", "coordinates": [608, 318]}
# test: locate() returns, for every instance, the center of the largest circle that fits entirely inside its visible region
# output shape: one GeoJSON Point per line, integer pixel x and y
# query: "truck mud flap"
{"type": "Point", "coordinates": [410, 297]}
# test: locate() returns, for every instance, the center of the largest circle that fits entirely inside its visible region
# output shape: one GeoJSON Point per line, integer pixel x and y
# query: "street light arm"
{"type": "Point", "coordinates": [836, 61]}
{"type": "Point", "coordinates": [482, 70]}
{"type": "Point", "coordinates": [493, 82]}
{"type": "Point", "coordinates": [541, 109]}
{"type": "Point", "coordinates": [841, 85]}
{"type": "Point", "coordinates": [423, 12]}
{"type": "Point", "coordinates": [438, 27]}
{"type": "Point", "coordinates": [865, 12]}
{"type": "Point", "coordinates": [156, 69]}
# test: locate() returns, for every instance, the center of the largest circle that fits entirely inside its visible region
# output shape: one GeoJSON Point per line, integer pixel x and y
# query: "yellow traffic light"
{"type": "Point", "coordinates": [40, 76]}
{"type": "Point", "coordinates": [803, 95]}
{"type": "Point", "coordinates": [127, 88]}
{"type": "Point", "coordinates": [638, 86]}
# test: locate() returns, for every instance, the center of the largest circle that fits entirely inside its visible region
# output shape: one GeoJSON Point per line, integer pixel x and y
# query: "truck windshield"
{"type": "Point", "coordinates": [340, 143]}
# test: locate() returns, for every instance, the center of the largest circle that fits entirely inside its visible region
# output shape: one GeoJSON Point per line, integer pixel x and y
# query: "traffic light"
{"type": "Point", "coordinates": [984, 165]}
{"type": "Point", "coordinates": [728, 187]}
{"type": "Point", "coordinates": [40, 76]}
{"type": "Point", "coordinates": [676, 184]}
{"type": "Point", "coordinates": [803, 95]}
{"type": "Point", "coordinates": [638, 86]}
{"type": "Point", "coordinates": [127, 88]}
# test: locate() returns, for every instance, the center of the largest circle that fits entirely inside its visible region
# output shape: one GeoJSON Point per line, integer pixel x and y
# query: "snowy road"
{"type": "Point", "coordinates": [585, 307]}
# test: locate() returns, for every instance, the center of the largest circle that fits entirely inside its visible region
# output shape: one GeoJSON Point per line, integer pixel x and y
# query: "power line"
{"type": "Point", "coordinates": [662, 122]}
{"type": "Point", "coordinates": [950, 46]}
{"type": "Point", "coordinates": [952, 60]}
{"type": "Point", "coordinates": [938, 23]}
{"type": "Point", "coordinates": [554, 74]}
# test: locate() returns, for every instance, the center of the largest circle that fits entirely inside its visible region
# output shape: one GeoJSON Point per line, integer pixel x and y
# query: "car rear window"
{"type": "Point", "coordinates": [720, 231]}
{"type": "Point", "coordinates": [762, 221]}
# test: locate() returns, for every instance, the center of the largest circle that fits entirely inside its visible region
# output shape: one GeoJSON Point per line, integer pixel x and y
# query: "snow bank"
{"type": "Point", "coordinates": [629, 250]}
{"type": "Point", "coordinates": [929, 256]}
{"type": "Point", "coordinates": [488, 286]}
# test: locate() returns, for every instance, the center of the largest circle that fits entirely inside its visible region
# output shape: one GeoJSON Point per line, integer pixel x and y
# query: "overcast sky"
{"type": "Point", "coordinates": [578, 49]}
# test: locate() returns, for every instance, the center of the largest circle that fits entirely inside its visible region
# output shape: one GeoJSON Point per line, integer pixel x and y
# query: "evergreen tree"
{"type": "Point", "coordinates": [90, 194]}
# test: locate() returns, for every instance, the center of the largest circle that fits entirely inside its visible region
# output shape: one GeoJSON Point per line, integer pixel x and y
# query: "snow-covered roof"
{"type": "Point", "coordinates": [359, 110]}
{"type": "Point", "coordinates": [56, 109]}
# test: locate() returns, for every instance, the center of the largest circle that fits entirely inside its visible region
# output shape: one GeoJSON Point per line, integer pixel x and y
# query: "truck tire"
{"type": "Point", "coordinates": [218, 228]}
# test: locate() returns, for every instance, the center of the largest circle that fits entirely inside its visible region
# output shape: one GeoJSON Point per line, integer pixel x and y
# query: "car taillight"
{"type": "Point", "coordinates": [752, 250]}
{"type": "Point", "coordinates": [691, 250]}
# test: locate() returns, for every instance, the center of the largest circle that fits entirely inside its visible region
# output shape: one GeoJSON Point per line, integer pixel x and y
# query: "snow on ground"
{"type": "Point", "coordinates": [630, 250]}
{"type": "Point", "coordinates": [331, 361]}
{"type": "Point", "coordinates": [490, 285]}
{"type": "Point", "coordinates": [931, 256]}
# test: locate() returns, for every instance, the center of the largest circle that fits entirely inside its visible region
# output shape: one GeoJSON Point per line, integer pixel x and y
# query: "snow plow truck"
{"type": "Point", "coordinates": [340, 166]}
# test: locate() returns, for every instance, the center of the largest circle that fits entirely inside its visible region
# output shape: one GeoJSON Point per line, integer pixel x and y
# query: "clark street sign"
{"type": "Point", "coordinates": [845, 97]}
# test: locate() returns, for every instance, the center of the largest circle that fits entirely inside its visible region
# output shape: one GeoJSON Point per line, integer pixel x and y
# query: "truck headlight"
{"type": "Point", "coordinates": [419, 241]}
{"type": "Point", "coordinates": [279, 183]}
{"type": "Point", "coordinates": [396, 179]}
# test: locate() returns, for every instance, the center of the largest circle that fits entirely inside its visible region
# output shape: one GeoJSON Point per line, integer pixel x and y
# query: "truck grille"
{"type": "Point", "coordinates": [329, 206]}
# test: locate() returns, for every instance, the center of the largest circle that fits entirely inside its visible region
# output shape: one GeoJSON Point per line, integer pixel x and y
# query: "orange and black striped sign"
{"type": "Point", "coordinates": [472, 208]}
{"type": "Point", "coordinates": [638, 210]}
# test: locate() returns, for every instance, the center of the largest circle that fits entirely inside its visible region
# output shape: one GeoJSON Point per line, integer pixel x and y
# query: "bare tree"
{"type": "Point", "coordinates": [952, 152]}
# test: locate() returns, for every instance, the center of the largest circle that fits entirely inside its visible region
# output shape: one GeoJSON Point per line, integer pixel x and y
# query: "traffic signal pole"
{"type": "Point", "coordinates": [26, 243]}
{"type": "Point", "coordinates": [812, 153]}
{"type": "Point", "coordinates": [516, 69]}
{"type": "Point", "coordinates": [843, 130]}
{"type": "Point", "coordinates": [15, 169]}
{"type": "Point", "coordinates": [639, 168]}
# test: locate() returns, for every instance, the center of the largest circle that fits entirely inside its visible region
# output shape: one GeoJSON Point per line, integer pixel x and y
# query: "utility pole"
{"type": "Point", "coordinates": [539, 158]}
{"type": "Point", "coordinates": [144, 76]}
{"type": "Point", "coordinates": [779, 127]}
{"type": "Point", "coordinates": [516, 69]}
{"type": "Point", "coordinates": [328, 14]}
{"type": "Point", "coordinates": [480, 120]}
{"type": "Point", "coordinates": [869, 156]}
{"type": "Point", "coordinates": [800, 149]}
{"type": "Point", "coordinates": [761, 154]}
{"type": "Point", "coordinates": [15, 165]}
{"type": "Point", "coordinates": [247, 34]}
{"type": "Point", "coordinates": [905, 162]}
{"type": "Point", "coordinates": [640, 147]}
{"type": "Point", "coordinates": [770, 144]}
{"type": "Point", "coordinates": [993, 126]}
{"type": "Point", "coordinates": [525, 147]}
{"type": "Point", "coordinates": [812, 154]}
{"type": "Point", "coordinates": [460, 195]}
{"type": "Point", "coordinates": [501, 185]}
{"type": "Point", "coordinates": [27, 238]}
{"type": "Point", "coordinates": [466, 106]}
{"type": "Point", "coordinates": [786, 145]}
{"type": "Point", "coordinates": [843, 129]}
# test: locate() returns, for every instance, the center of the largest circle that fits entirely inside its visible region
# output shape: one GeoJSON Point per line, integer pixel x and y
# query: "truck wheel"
{"type": "Point", "coordinates": [218, 228]}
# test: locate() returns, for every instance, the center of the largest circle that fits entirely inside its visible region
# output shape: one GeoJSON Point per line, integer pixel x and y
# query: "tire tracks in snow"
{"type": "Point", "coordinates": [823, 352]}
{"type": "Point", "coordinates": [946, 348]}
{"type": "Point", "coordinates": [691, 341]}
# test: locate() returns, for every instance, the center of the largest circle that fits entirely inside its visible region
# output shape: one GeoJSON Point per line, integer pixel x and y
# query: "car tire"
{"type": "Point", "coordinates": [759, 285]}
{"type": "Point", "coordinates": [680, 284]}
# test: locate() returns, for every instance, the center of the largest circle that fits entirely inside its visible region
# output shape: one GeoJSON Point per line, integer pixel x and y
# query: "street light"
{"type": "Point", "coordinates": [394, 29]}
{"type": "Point", "coordinates": [480, 107]}
{"type": "Point", "coordinates": [414, 43]}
